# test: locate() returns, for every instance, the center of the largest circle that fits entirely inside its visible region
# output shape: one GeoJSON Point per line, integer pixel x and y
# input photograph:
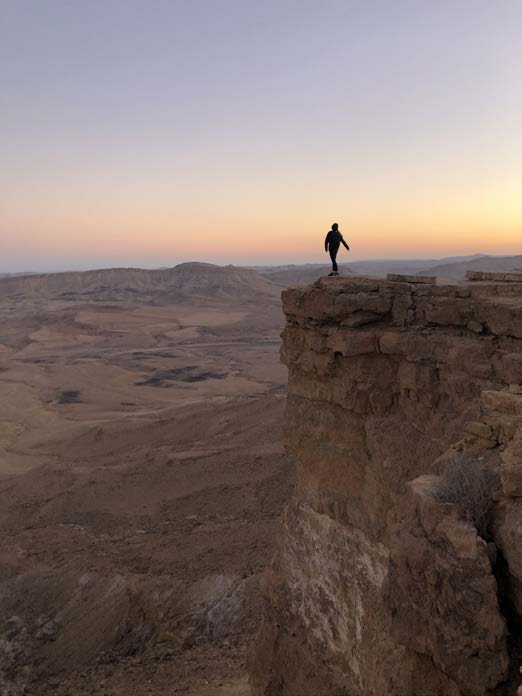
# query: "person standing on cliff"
{"type": "Point", "coordinates": [333, 241]}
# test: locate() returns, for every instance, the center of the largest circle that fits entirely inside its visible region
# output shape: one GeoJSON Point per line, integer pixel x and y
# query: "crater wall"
{"type": "Point", "coordinates": [378, 585]}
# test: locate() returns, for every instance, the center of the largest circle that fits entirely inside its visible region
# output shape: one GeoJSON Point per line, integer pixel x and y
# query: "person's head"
{"type": "Point", "coordinates": [335, 227]}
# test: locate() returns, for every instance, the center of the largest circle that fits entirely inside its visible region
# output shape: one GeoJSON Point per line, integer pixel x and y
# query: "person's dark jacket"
{"type": "Point", "coordinates": [333, 240]}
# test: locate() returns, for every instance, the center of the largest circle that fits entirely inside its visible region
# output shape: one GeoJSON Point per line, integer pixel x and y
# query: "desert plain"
{"type": "Point", "coordinates": [141, 476]}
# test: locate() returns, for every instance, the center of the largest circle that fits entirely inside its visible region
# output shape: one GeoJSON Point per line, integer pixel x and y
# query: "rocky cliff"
{"type": "Point", "coordinates": [399, 564]}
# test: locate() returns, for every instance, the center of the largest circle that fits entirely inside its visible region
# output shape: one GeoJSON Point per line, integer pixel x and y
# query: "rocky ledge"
{"type": "Point", "coordinates": [399, 564]}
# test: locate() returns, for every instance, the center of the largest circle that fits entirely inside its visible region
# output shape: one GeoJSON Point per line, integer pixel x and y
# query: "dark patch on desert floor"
{"type": "Point", "coordinates": [69, 396]}
{"type": "Point", "coordinates": [190, 374]}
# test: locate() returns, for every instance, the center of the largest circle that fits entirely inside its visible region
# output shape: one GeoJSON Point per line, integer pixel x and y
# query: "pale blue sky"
{"type": "Point", "coordinates": [148, 133]}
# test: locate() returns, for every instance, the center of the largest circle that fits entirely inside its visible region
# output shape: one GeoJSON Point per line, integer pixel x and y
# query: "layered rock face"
{"type": "Point", "coordinates": [384, 581]}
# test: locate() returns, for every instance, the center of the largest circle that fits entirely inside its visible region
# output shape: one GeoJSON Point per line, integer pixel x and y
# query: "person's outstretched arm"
{"type": "Point", "coordinates": [344, 243]}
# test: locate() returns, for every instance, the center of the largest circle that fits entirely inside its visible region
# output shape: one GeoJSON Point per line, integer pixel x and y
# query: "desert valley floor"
{"type": "Point", "coordinates": [141, 475]}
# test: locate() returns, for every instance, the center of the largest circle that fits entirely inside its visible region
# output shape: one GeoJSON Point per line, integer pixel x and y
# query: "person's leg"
{"type": "Point", "coordinates": [333, 256]}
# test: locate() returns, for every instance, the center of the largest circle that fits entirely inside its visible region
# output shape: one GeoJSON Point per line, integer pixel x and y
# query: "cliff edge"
{"type": "Point", "coordinates": [399, 564]}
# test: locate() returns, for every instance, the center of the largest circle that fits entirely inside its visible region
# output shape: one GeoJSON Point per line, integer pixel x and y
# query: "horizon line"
{"type": "Point", "coordinates": [476, 255]}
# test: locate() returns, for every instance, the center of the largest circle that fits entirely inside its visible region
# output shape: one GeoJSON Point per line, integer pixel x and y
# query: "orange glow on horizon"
{"type": "Point", "coordinates": [435, 215]}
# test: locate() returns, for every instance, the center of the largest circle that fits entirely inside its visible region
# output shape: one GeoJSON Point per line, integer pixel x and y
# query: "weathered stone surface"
{"type": "Point", "coordinates": [481, 430]}
{"type": "Point", "coordinates": [510, 366]}
{"type": "Point", "coordinates": [377, 588]}
{"type": "Point", "coordinates": [505, 402]}
{"type": "Point", "coordinates": [439, 582]}
{"type": "Point", "coordinates": [514, 276]}
{"type": "Point", "coordinates": [511, 460]}
{"type": "Point", "coordinates": [429, 280]}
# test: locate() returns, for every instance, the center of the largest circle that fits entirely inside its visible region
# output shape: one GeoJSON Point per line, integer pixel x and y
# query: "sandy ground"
{"type": "Point", "coordinates": [141, 475]}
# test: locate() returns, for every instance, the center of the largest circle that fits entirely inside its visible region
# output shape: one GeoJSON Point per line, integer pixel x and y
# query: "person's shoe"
{"type": "Point", "coordinates": [333, 273]}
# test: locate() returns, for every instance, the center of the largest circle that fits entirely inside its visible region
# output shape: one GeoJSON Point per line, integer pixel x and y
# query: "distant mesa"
{"type": "Point", "coordinates": [182, 282]}
{"type": "Point", "coordinates": [457, 269]}
{"type": "Point", "coordinates": [210, 282]}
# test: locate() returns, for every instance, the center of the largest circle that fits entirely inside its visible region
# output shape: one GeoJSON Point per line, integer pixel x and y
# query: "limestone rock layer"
{"type": "Point", "coordinates": [382, 582]}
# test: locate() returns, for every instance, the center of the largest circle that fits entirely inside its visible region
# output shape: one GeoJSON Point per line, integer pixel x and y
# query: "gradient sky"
{"type": "Point", "coordinates": [157, 131]}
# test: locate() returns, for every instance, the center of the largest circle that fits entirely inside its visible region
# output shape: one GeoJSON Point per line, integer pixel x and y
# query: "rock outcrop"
{"type": "Point", "coordinates": [391, 578]}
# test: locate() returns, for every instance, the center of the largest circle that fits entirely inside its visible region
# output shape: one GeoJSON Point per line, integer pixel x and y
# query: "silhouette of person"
{"type": "Point", "coordinates": [333, 241]}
